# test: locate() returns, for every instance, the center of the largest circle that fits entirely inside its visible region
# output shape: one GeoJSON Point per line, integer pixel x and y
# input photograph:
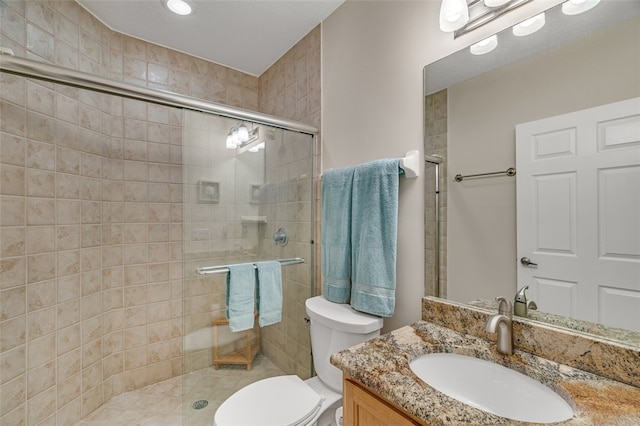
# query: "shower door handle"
{"type": "Point", "coordinates": [527, 262]}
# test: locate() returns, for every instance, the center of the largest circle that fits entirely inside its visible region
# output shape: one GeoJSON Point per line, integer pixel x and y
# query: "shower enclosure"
{"type": "Point", "coordinates": [111, 197]}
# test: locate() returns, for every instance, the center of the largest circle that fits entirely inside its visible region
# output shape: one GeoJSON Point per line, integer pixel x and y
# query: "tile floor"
{"type": "Point", "coordinates": [169, 403]}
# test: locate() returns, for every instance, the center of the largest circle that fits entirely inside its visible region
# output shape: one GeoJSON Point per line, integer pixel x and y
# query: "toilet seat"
{"type": "Point", "coordinates": [276, 401]}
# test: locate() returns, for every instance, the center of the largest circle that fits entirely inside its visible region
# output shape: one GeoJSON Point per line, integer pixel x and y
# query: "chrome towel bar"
{"type": "Point", "coordinates": [511, 171]}
{"type": "Point", "coordinates": [205, 270]}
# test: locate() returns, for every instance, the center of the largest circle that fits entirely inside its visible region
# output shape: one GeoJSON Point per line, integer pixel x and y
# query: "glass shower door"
{"type": "Point", "coordinates": [241, 205]}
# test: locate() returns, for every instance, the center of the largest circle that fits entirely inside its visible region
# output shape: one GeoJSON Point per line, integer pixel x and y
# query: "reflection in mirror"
{"type": "Point", "coordinates": [472, 107]}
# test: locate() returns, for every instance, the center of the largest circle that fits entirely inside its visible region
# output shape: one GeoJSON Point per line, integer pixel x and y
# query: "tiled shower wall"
{"type": "Point", "coordinates": [435, 143]}
{"type": "Point", "coordinates": [291, 88]}
{"type": "Point", "coordinates": [91, 209]}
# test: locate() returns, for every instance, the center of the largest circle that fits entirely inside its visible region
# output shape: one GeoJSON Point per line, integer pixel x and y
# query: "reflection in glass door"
{"type": "Point", "coordinates": [242, 204]}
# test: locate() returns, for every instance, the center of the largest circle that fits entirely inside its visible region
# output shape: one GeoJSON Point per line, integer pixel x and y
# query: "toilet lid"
{"type": "Point", "coordinates": [276, 401]}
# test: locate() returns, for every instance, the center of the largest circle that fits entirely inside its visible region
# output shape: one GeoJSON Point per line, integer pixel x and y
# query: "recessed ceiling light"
{"type": "Point", "coordinates": [179, 7]}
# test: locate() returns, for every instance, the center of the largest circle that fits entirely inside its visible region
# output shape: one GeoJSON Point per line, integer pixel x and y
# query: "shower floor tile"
{"type": "Point", "coordinates": [170, 403]}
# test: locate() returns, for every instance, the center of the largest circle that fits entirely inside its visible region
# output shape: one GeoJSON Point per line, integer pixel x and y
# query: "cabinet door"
{"type": "Point", "coordinates": [361, 408]}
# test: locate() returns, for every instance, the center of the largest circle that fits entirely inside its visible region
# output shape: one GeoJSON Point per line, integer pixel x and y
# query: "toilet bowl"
{"type": "Point", "coordinates": [291, 401]}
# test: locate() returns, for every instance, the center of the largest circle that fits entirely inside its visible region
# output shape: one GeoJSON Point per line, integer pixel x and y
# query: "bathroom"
{"type": "Point", "coordinates": [355, 107]}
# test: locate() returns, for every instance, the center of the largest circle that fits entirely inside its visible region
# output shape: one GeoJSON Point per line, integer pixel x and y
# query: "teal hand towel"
{"type": "Point", "coordinates": [269, 292]}
{"type": "Point", "coordinates": [241, 284]}
{"type": "Point", "coordinates": [374, 232]}
{"type": "Point", "coordinates": [336, 234]}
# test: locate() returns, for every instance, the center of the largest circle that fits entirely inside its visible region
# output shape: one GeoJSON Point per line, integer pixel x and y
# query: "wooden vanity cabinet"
{"type": "Point", "coordinates": [362, 407]}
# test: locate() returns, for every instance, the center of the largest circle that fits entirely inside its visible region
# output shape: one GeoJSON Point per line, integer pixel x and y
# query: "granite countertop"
{"type": "Point", "coordinates": [595, 399]}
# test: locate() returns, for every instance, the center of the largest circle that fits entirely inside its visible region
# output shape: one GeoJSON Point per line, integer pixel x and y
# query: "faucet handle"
{"type": "Point", "coordinates": [504, 306]}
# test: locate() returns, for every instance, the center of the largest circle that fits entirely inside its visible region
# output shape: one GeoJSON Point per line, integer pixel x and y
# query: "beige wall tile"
{"type": "Point", "coordinates": [40, 155]}
{"type": "Point", "coordinates": [69, 364]}
{"type": "Point", "coordinates": [12, 303]}
{"type": "Point", "coordinates": [40, 211]}
{"type": "Point", "coordinates": [69, 288]}
{"type": "Point", "coordinates": [68, 313]}
{"type": "Point", "coordinates": [69, 389]}
{"type": "Point", "coordinates": [12, 148]}
{"type": "Point", "coordinates": [12, 180]}
{"type": "Point", "coordinates": [13, 394]}
{"type": "Point", "coordinates": [91, 352]}
{"type": "Point", "coordinates": [42, 295]}
{"type": "Point", "coordinates": [68, 339]}
{"type": "Point", "coordinates": [68, 262]}
{"type": "Point", "coordinates": [67, 237]}
{"type": "Point", "coordinates": [41, 378]}
{"type": "Point", "coordinates": [39, 351]}
{"type": "Point", "coordinates": [92, 376]}
{"type": "Point", "coordinates": [91, 400]}
{"type": "Point", "coordinates": [41, 267]}
{"type": "Point", "coordinates": [12, 211]}
{"type": "Point", "coordinates": [12, 364]}
{"type": "Point", "coordinates": [40, 239]}
{"type": "Point", "coordinates": [68, 211]}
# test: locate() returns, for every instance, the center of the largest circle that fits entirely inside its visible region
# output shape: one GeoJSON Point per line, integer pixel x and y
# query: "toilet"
{"type": "Point", "coordinates": [290, 401]}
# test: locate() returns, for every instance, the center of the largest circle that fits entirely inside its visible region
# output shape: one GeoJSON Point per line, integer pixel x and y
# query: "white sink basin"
{"type": "Point", "coordinates": [491, 387]}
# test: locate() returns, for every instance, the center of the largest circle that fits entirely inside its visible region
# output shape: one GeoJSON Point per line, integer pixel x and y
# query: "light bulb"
{"type": "Point", "coordinates": [575, 7]}
{"type": "Point", "coordinates": [243, 133]}
{"type": "Point", "coordinates": [485, 46]}
{"type": "Point", "coordinates": [529, 26]}
{"type": "Point", "coordinates": [235, 136]}
{"type": "Point", "coordinates": [454, 14]}
{"type": "Point", "coordinates": [230, 144]}
{"type": "Point", "coordinates": [179, 7]}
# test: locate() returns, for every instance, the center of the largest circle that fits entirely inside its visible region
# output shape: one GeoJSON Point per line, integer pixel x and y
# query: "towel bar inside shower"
{"type": "Point", "coordinates": [205, 270]}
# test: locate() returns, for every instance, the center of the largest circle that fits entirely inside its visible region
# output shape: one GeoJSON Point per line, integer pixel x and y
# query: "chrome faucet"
{"type": "Point", "coordinates": [501, 324]}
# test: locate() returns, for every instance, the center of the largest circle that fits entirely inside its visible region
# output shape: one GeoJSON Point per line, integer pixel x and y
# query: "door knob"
{"type": "Point", "coordinates": [527, 262]}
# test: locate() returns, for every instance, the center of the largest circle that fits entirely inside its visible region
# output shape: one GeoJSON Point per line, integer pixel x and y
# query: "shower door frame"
{"type": "Point", "coordinates": [57, 74]}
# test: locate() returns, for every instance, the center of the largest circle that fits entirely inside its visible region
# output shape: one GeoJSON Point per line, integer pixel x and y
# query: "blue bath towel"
{"type": "Point", "coordinates": [374, 231]}
{"type": "Point", "coordinates": [241, 284]}
{"type": "Point", "coordinates": [269, 292]}
{"type": "Point", "coordinates": [336, 234]}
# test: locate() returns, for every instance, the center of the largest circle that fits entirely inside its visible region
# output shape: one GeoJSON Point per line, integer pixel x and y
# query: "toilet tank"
{"type": "Point", "coordinates": [334, 327]}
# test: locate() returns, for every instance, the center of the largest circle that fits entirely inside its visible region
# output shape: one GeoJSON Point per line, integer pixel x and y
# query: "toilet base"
{"type": "Point", "coordinates": [328, 418]}
{"type": "Point", "coordinates": [332, 401]}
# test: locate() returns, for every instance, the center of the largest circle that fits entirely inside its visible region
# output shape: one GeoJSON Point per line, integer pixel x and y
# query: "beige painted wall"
{"type": "Point", "coordinates": [372, 108]}
{"type": "Point", "coordinates": [373, 53]}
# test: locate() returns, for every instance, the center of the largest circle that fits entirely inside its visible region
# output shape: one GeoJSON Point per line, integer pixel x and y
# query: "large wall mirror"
{"type": "Point", "coordinates": [476, 106]}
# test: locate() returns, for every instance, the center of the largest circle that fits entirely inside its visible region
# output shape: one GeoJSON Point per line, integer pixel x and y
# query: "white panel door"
{"type": "Point", "coordinates": [578, 202]}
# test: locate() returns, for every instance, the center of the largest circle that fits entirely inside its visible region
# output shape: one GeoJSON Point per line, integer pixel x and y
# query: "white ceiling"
{"type": "Point", "coordinates": [247, 35]}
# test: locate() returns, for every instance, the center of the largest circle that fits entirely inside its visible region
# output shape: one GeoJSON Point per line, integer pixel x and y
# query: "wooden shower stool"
{"type": "Point", "coordinates": [244, 356]}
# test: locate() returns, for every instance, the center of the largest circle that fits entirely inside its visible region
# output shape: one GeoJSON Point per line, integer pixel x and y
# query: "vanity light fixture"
{"type": "Point", "coordinates": [454, 14]}
{"type": "Point", "coordinates": [240, 135]}
{"type": "Point", "coordinates": [575, 7]}
{"type": "Point", "coordinates": [468, 15]}
{"type": "Point", "coordinates": [529, 26]}
{"type": "Point", "coordinates": [179, 7]}
{"type": "Point", "coordinates": [485, 46]}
